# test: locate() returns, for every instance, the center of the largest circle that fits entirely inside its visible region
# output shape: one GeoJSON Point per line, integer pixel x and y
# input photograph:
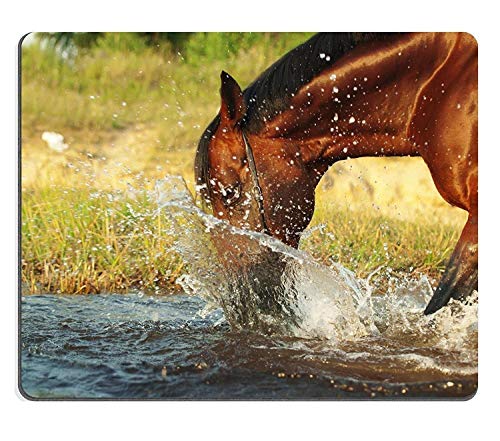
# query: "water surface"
{"type": "Point", "coordinates": [135, 346]}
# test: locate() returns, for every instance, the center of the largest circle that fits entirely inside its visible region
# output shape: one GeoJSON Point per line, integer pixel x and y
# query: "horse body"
{"type": "Point", "coordinates": [398, 95]}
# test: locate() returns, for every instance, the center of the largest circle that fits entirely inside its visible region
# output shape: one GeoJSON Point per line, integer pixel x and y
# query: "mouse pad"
{"type": "Point", "coordinates": [248, 216]}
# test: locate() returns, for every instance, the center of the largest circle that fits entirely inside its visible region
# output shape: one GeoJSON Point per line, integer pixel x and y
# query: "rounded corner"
{"type": "Point", "coordinates": [472, 37]}
{"type": "Point", "coordinates": [21, 40]}
{"type": "Point", "coordinates": [472, 394]}
{"type": "Point", "coordinates": [24, 394]}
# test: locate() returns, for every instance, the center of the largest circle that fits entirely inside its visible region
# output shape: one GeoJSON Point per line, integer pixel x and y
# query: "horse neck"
{"type": "Point", "coordinates": [362, 105]}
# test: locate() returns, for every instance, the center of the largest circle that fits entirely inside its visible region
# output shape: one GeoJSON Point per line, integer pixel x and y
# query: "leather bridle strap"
{"type": "Point", "coordinates": [256, 186]}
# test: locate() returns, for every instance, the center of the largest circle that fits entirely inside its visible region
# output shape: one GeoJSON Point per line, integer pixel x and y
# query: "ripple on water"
{"type": "Point", "coordinates": [114, 349]}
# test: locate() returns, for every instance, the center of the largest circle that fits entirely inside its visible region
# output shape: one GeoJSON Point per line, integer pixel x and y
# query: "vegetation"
{"type": "Point", "coordinates": [131, 108]}
{"type": "Point", "coordinates": [121, 81]}
{"type": "Point", "coordinates": [85, 241]}
{"type": "Point", "coordinates": [80, 241]}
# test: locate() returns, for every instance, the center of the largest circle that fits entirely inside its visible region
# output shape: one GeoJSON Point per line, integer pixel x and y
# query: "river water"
{"type": "Point", "coordinates": [255, 320]}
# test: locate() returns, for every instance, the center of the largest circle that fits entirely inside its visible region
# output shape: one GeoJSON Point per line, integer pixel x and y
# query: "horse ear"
{"type": "Point", "coordinates": [232, 107]}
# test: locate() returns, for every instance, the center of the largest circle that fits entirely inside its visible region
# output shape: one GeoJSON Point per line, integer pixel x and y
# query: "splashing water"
{"type": "Point", "coordinates": [265, 286]}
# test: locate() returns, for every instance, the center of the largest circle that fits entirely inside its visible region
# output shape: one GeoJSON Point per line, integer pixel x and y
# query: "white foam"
{"type": "Point", "coordinates": [270, 287]}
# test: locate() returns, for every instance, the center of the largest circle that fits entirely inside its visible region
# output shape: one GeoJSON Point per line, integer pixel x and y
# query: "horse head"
{"type": "Point", "coordinates": [253, 180]}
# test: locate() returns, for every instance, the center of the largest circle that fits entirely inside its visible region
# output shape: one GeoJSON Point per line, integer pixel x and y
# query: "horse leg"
{"type": "Point", "coordinates": [444, 126]}
{"type": "Point", "coordinates": [461, 274]}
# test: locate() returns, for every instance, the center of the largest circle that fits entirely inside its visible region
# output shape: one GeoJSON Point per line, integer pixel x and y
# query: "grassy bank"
{"type": "Point", "coordinates": [132, 113]}
{"type": "Point", "coordinates": [87, 241]}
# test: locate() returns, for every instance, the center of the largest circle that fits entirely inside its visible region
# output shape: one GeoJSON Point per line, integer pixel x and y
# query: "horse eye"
{"type": "Point", "coordinates": [232, 194]}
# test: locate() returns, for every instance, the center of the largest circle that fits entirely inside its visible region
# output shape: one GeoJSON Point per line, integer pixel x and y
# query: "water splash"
{"type": "Point", "coordinates": [263, 285]}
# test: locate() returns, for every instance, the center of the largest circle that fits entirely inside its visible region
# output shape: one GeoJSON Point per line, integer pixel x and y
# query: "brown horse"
{"type": "Point", "coordinates": [340, 96]}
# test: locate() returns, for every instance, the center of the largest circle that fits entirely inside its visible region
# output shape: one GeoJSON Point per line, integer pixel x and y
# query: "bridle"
{"type": "Point", "coordinates": [257, 190]}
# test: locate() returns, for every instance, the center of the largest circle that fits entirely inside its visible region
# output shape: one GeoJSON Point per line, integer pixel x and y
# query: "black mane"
{"type": "Point", "coordinates": [270, 93]}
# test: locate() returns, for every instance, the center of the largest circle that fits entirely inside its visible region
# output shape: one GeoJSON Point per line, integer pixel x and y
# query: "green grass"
{"type": "Point", "coordinates": [77, 241]}
{"type": "Point", "coordinates": [364, 242]}
{"type": "Point", "coordinates": [119, 83]}
{"type": "Point", "coordinates": [86, 241]}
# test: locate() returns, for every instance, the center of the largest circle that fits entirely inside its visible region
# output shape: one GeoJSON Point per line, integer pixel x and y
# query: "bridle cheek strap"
{"type": "Point", "coordinates": [256, 186]}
